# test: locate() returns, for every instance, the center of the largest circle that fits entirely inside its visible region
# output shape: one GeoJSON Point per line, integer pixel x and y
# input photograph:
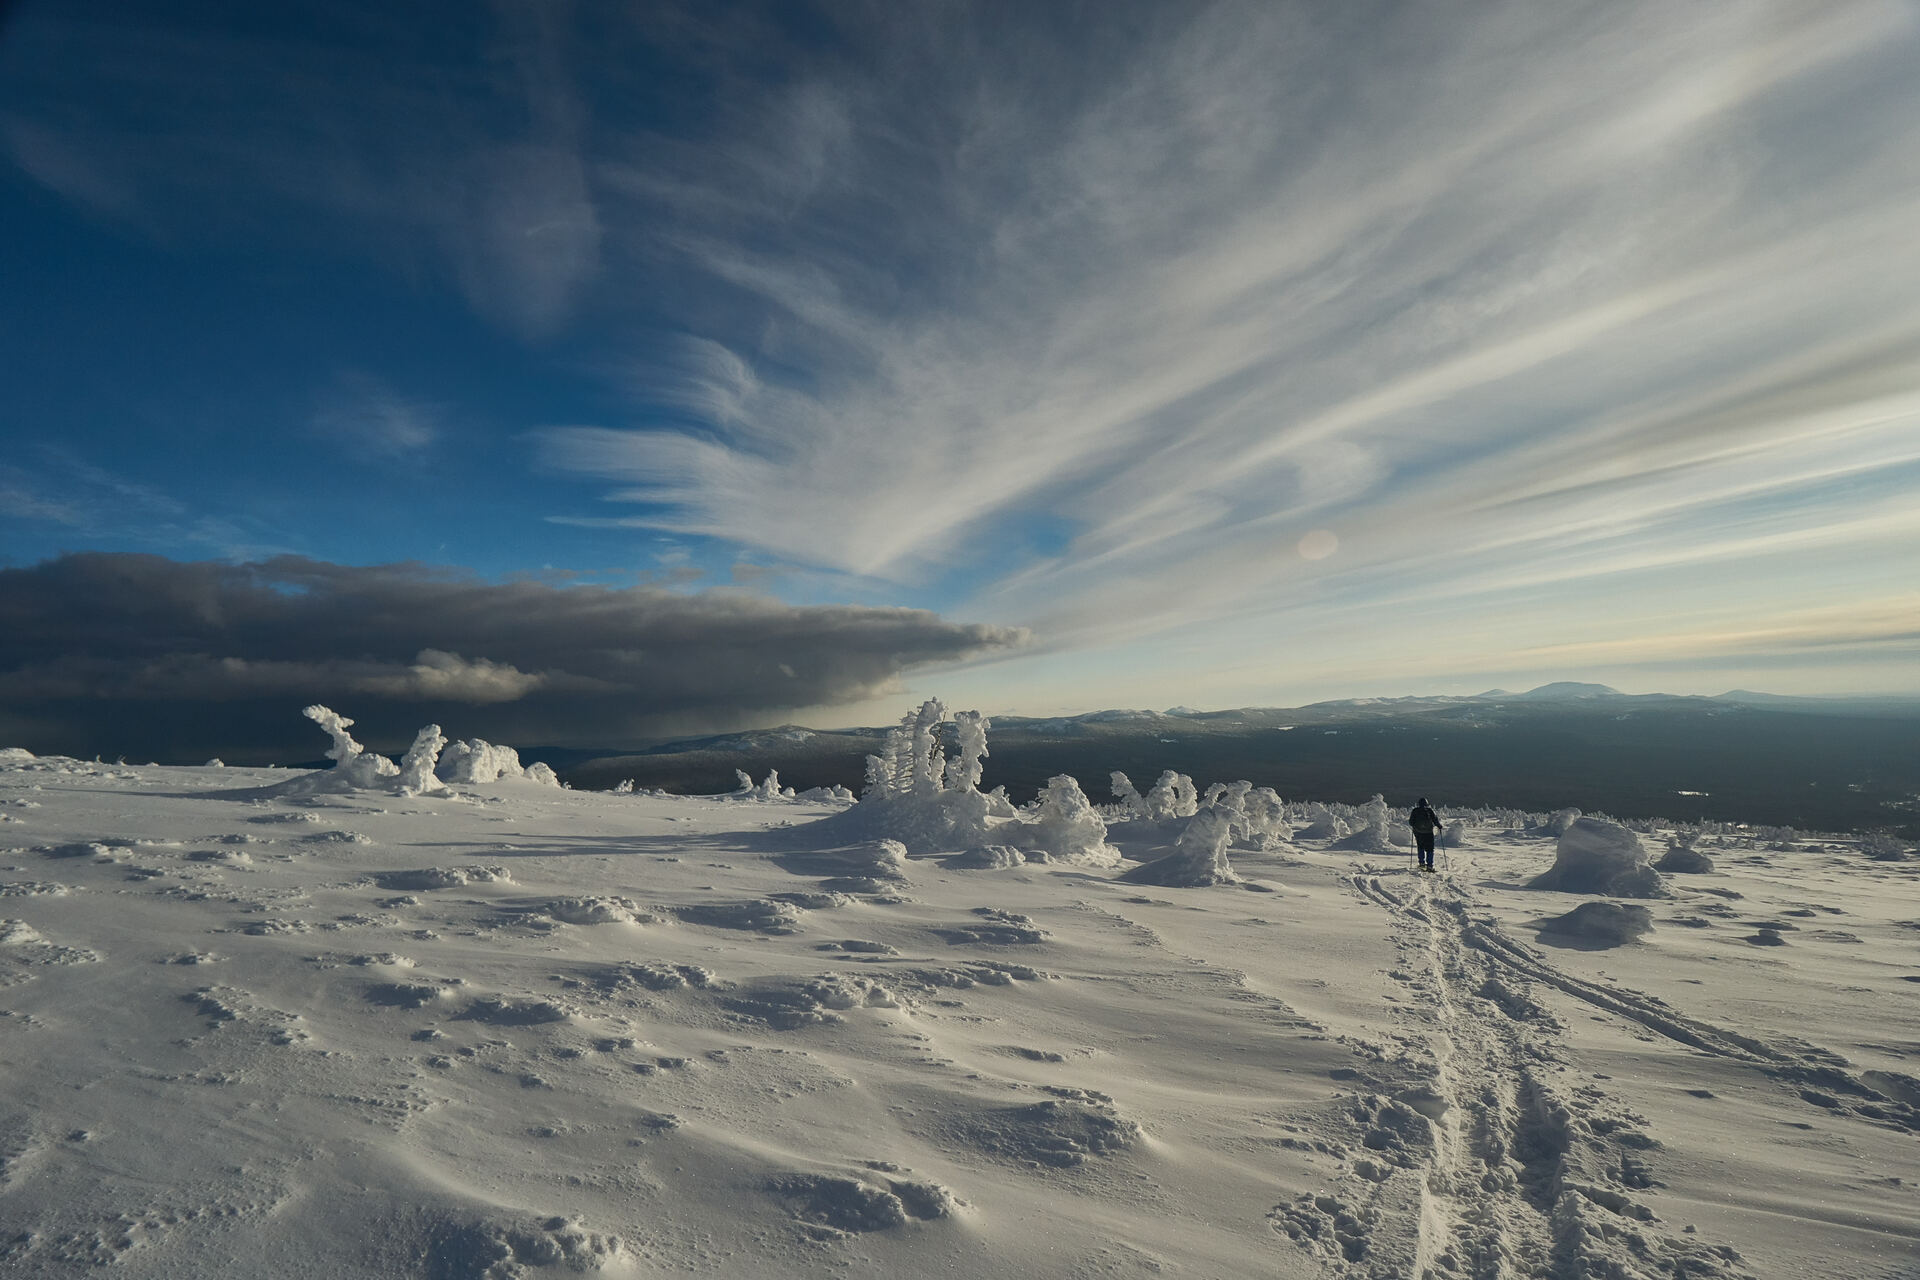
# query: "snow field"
{"type": "Point", "coordinates": [504, 1029]}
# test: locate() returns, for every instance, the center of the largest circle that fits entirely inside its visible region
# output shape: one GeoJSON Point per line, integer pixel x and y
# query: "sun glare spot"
{"type": "Point", "coordinates": [1318, 545]}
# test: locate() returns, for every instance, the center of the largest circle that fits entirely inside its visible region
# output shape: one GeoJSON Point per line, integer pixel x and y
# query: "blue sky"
{"type": "Point", "coordinates": [1203, 354]}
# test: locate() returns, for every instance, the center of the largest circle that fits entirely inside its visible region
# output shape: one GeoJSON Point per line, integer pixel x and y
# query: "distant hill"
{"type": "Point", "coordinates": [1564, 690]}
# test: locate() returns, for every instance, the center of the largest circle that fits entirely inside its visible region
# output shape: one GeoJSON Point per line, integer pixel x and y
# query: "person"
{"type": "Point", "coordinates": [1426, 825]}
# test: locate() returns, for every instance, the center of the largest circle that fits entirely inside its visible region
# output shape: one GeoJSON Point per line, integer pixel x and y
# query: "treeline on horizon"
{"type": "Point", "coordinates": [1810, 772]}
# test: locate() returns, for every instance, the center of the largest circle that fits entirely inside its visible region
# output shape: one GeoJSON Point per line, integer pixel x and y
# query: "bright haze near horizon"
{"type": "Point", "coordinates": [589, 373]}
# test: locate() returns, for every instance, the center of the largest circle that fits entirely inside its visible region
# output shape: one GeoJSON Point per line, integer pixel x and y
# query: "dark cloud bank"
{"type": "Point", "coordinates": [139, 655]}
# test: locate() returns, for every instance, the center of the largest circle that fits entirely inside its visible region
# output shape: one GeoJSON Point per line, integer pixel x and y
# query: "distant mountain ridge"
{"type": "Point", "coordinates": [1559, 691]}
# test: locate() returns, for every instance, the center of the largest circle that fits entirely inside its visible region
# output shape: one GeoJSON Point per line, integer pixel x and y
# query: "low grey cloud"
{"type": "Point", "coordinates": [142, 655]}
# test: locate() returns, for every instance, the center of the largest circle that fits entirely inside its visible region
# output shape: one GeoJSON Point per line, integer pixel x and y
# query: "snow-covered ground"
{"type": "Point", "coordinates": [252, 1029]}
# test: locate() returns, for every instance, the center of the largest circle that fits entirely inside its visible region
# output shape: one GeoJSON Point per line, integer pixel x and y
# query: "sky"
{"type": "Point", "coordinates": [593, 372]}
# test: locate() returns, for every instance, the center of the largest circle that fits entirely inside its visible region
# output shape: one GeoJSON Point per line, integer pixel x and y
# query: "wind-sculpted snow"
{"type": "Point", "coordinates": [493, 1249]}
{"type": "Point", "coordinates": [1061, 1132]}
{"type": "Point", "coordinates": [760, 915]}
{"type": "Point", "coordinates": [831, 1205]}
{"type": "Point", "coordinates": [987, 857]}
{"type": "Point", "coordinates": [1683, 857]}
{"type": "Point", "coordinates": [1603, 923]}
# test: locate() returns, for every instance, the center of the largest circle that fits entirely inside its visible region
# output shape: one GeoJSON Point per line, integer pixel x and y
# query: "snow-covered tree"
{"type": "Point", "coordinates": [1067, 828]}
{"type": "Point", "coordinates": [353, 764]}
{"type": "Point", "coordinates": [970, 739]}
{"type": "Point", "coordinates": [1129, 797]}
{"type": "Point", "coordinates": [768, 790]}
{"type": "Point", "coordinates": [1372, 834]}
{"type": "Point", "coordinates": [416, 771]}
{"type": "Point", "coordinates": [476, 760]}
{"type": "Point", "coordinates": [1173, 797]}
{"type": "Point", "coordinates": [1199, 856]}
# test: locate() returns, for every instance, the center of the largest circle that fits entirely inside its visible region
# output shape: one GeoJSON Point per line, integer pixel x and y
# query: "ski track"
{"type": "Point", "coordinates": [1481, 1160]}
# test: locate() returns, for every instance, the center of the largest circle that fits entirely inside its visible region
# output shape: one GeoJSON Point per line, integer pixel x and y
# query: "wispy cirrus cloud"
{"type": "Point", "coordinates": [376, 422]}
{"type": "Point", "coordinates": [47, 485]}
{"type": "Point", "coordinates": [1503, 297]}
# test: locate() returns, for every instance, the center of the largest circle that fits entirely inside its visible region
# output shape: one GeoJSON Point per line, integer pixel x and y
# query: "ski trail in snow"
{"type": "Point", "coordinates": [1819, 1076]}
{"type": "Point", "coordinates": [1509, 1172]}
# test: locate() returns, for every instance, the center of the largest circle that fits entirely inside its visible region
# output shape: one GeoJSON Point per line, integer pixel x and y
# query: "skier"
{"type": "Point", "coordinates": [1426, 825]}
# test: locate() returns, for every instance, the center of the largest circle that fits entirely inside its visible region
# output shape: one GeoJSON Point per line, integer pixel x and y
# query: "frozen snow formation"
{"type": "Point", "coordinates": [1067, 828]}
{"type": "Point", "coordinates": [1374, 835]}
{"type": "Point", "coordinates": [1682, 857]}
{"type": "Point", "coordinates": [416, 771]}
{"type": "Point", "coordinates": [353, 764]}
{"type": "Point", "coordinates": [476, 760]}
{"type": "Point", "coordinates": [837, 1205]}
{"type": "Point", "coordinates": [1173, 797]}
{"type": "Point", "coordinates": [1883, 846]}
{"type": "Point", "coordinates": [1258, 815]}
{"type": "Point", "coordinates": [987, 857]}
{"type": "Point", "coordinates": [932, 803]}
{"type": "Point", "coordinates": [768, 790]}
{"type": "Point", "coordinates": [1199, 857]}
{"type": "Point", "coordinates": [490, 1249]}
{"type": "Point", "coordinates": [862, 866]}
{"type": "Point", "coordinates": [1322, 823]}
{"type": "Point", "coordinates": [1557, 822]}
{"type": "Point", "coordinates": [1598, 856]}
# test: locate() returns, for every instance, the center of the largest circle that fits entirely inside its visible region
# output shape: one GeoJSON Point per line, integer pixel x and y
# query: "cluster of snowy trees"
{"type": "Point", "coordinates": [930, 801]}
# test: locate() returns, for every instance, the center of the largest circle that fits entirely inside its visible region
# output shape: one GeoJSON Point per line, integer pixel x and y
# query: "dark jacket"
{"type": "Point", "coordinates": [1423, 820]}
